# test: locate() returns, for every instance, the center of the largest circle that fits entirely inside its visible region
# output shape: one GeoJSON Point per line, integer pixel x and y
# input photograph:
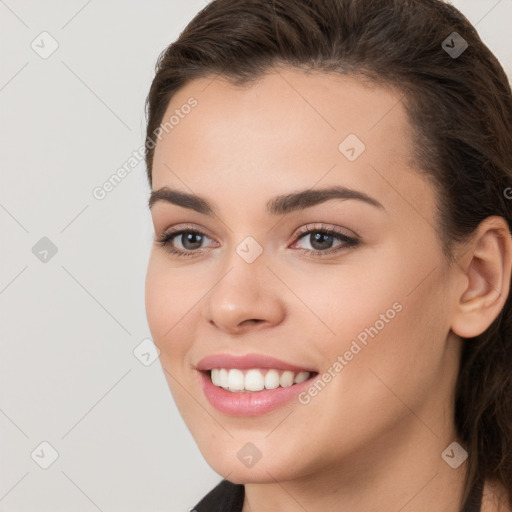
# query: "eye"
{"type": "Point", "coordinates": [188, 242]}
{"type": "Point", "coordinates": [191, 241]}
{"type": "Point", "coordinates": [322, 240]}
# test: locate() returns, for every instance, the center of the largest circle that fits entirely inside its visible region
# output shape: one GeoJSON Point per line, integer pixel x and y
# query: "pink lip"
{"type": "Point", "coordinates": [249, 404]}
{"type": "Point", "coordinates": [247, 361]}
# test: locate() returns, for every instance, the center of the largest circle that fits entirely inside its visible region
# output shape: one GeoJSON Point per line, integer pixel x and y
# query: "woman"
{"type": "Point", "coordinates": [329, 283]}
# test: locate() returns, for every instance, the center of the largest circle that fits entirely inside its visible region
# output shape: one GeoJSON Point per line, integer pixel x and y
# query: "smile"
{"type": "Point", "coordinates": [255, 379]}
{"type": "Point", "coordinates": [243, 402]}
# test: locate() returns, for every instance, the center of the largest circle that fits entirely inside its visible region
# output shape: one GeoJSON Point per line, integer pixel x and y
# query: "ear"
{"type": "Point", "coordinates": [484, 271]}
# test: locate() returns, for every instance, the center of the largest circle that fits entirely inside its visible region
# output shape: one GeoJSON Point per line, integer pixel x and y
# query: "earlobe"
{"type": "Point", "coordinates": [486, 266]}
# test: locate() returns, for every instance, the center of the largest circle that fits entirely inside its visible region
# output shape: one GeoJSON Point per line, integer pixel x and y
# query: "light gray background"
{"type": "Point", "coordinates": [69, 325]}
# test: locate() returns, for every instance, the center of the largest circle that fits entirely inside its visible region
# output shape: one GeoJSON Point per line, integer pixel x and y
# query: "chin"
{"type": "Point", "coordinates": [230, 464]}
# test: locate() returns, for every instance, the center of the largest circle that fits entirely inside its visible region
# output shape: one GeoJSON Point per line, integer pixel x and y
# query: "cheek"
{"type": "Point", "coordinates": [169, 293]}
{"type": "Point", "coordinates": [386, 315]}
{"type": "Point", "coordinates": [167, 301]}
{"type": "Point", "coordinates": [344, 300]}
{"type": "Point", "coordinates": [400, 357]}
{"type": "Point", "coordinates": [175, 296]}
{"type": "Point", "coordinates": [170, 319]}
{"type": "Point", "coordinates": [157, 298]}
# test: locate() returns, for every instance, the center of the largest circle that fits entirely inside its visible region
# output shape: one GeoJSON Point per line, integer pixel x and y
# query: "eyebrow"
{"type": "Point", "coordinates": [279, 205]}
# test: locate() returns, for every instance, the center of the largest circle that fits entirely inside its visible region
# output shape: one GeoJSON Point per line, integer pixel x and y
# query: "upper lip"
{"type": "Point", "coordinates": [247, 361]}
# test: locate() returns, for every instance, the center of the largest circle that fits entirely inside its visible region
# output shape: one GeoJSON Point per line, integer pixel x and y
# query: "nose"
{"type": "Point", "coordinates": [246, 297]}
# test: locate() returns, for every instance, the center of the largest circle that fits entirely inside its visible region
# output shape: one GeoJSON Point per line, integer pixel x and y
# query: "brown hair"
{"type": "Point", "coordinates": [460, 109]}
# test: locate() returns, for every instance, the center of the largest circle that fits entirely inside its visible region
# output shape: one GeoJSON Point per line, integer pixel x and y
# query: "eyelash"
{"type": "Point", "coordinates": [167, 237]}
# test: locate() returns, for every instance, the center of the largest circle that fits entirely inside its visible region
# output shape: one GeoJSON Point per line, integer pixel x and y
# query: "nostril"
{"type": "Point", "coordinates": [252, 320]}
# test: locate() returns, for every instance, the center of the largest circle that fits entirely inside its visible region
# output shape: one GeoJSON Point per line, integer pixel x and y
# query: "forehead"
{"type": "Point", "coordinates": [288, 129]}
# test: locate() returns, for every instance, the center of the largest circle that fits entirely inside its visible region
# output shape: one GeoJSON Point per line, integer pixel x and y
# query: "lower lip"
{"type": "Point", "coordinates": [250, 403]}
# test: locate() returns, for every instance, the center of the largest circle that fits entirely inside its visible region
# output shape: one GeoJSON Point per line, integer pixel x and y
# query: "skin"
{"type": "Point", "coordinates": [372, 438]}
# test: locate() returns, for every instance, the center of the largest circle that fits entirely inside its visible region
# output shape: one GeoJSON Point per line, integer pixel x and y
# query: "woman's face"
{"type": "Point", "coordinates": [367, 307]}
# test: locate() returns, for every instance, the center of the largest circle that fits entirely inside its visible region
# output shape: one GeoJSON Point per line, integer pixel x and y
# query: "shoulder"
{"type": "Point", "coordinates": [495, 497]}
{"type": "Point", "coordinates": [224, 497]}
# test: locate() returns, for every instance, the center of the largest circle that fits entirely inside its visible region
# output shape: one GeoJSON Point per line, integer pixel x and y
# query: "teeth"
{"type": "Point", "coordinates": [235, 380]}
{"type": "Point", "coordinates": [223, 378]}
{"type": "Point", "coordinates": [272, 379]}
{"type": "Point", "coordinates": [254, 379]}
{"type": "Point", "coordinates": [301, 377]}
{"type": "Point", "coordinates": [286, 379]}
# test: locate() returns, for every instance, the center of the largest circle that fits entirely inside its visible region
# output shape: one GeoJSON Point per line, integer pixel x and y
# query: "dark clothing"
{"type": "Point", "coordinates": [225, 497]}
{"type": "Point", "coordinates": [229, 497]}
